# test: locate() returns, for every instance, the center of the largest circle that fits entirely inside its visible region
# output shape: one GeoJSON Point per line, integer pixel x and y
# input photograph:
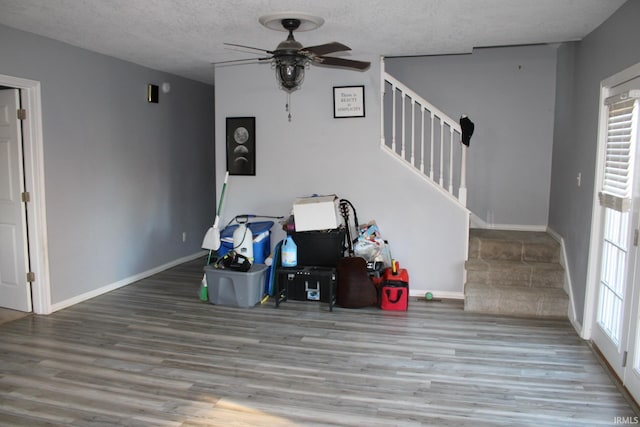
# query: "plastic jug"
{"type": "Point", "coordinates": [289, 253]}
{"type": "Point", "coordinates": [243, 241]}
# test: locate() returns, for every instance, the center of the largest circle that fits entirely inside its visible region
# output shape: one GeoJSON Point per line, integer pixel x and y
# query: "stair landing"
{"type": "Point", "coordinates": [515, 273]}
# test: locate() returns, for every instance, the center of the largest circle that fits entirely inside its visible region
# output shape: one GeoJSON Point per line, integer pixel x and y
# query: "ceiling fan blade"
{"type": "Point", "coordinates": [266, 58]}
{"type": "Point", "coordinates": [323, 49]}
{"type": "Point", "coordinates": [341, 62]}
{"type": "Point", "coordinates": [248, 47]}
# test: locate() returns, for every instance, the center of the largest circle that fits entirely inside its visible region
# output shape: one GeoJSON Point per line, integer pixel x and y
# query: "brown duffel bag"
{"type": "Point", "coordinates": [355, 289]}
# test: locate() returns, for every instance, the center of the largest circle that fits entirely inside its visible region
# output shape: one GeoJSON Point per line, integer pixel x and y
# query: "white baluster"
{"type": "Point", "coordinates": [383, 83]}
{"type": "Point", "coordinates": [462, 192]}
{"type": "Point", "coordinates": [441, 165]}
{"type": "Point", "coordinates": [431, 144]}
{"type": "Point", "coordinates": [422, 139]}
{"type": "Point", "coordinates": [450, 160]}
{"type": "Point", "coordinates": [404, 125]}
{"type": "Point", "coordinates": [413, 132]}
{"type": "Point", "coordinates": [393, 119]}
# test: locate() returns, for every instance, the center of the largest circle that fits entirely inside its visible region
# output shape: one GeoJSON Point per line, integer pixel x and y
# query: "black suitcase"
{"type": "Point", "coordinates": [306, 284]}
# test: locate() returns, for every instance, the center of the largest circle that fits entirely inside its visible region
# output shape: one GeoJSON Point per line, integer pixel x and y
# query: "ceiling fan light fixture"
{"type": "Point", "coordinates": [290, 58]}
{"type": "Point", "coordinates": [290, 72]}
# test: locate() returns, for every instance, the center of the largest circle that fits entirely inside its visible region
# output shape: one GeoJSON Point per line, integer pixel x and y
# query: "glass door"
{"type": "Point", "coordinates": [615, 332]}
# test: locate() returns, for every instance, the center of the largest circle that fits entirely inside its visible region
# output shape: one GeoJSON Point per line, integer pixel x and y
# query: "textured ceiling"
{"type": "Point", "coordinates": [185, 36]}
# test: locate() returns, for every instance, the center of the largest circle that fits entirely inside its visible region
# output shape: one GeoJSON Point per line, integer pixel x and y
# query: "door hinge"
{"type": "Point", "coordinates": [624, 359]}
{"type": "Point", "coordinates": [635, 237]}
{"type": "Point", "coordinates": [31, 277]}
{"type": "Point", "coordinates": [26, 197]}
{"type": "Point", "coordinates": [22, 114]}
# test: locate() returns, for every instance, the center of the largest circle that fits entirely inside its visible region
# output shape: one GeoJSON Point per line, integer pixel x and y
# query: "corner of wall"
{"type": "Point", "coordinates": [568, 287]}
{"type": "Point", "coordinates": [124, 282]}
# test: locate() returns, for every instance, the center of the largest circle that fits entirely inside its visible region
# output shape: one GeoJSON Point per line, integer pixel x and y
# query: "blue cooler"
{"type": "Point", "coordinates": [261, 232]}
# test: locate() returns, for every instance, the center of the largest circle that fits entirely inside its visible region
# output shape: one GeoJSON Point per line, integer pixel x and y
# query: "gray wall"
{"type": "Point", "coordinates": [124, 178]}
{"type": "Point", "coordinates": [509, 94]}
{"type": "Point", "coordinates": [581, 67]}
{"type": "Point", "coordinates": [315, 153]}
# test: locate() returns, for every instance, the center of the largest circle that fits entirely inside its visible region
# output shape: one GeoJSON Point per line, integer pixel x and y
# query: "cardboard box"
{"type": "Point", "coordinates": [316, 213]}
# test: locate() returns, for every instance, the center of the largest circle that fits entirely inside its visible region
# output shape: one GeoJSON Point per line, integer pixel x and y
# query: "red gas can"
{"type": "Point", "coordinates": [394, 288]}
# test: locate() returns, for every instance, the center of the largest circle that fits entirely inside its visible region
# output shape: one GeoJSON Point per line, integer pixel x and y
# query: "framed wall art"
{"type": "Point", "coordinates": [241, 145]}
{"type": "Point", "coordinates": [348, 101]}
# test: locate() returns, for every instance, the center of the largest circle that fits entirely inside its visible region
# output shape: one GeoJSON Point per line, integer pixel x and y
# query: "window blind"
{"type": "Point", "coordinates": [620, 151]}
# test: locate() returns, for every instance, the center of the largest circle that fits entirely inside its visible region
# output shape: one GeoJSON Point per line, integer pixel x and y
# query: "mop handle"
{"type": "Point", "coordinates": [224, 187]}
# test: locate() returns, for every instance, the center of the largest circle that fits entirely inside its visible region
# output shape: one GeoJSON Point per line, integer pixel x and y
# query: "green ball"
{"type": "Point", "coordinates": [428, 296]}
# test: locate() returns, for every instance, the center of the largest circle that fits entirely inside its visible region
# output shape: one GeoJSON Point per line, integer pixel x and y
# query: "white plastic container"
{"type": "Point", "coordinates": [243, 241]}
{"type": "Point", "coordinates": [289, 253]}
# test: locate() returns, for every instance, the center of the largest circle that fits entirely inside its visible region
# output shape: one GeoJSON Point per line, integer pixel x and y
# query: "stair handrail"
{"type": "Point", "coordinates": [435, 113]}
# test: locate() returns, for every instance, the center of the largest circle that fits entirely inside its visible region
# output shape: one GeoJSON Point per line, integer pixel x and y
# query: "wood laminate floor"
{"type": "Point", "coordinates": [7, 315]}
{"type": "Point", "coordinates": [152, 354]}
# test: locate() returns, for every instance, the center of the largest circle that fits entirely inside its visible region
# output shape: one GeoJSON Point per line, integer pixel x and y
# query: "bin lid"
{"type": "Point", "coordinates": [256, 228]}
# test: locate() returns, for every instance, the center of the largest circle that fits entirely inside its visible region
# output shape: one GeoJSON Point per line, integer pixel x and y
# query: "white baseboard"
{"type": "Point", "coordinates": [436, 294]}
{"type": "Point", "coordinates": [477, 222]}
{"type": "Point", "coordinates": [124, 282]}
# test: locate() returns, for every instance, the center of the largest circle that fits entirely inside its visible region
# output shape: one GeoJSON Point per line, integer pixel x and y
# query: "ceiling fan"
{"type": "Point", "coordinates": [290, 58]}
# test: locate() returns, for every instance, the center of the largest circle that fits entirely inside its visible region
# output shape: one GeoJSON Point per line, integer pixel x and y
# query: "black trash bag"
{"type": "Point", "coordinates": [467, 127]}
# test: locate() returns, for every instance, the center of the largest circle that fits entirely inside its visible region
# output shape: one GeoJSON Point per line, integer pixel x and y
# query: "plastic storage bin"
{"type": "Point", "coordinates": [236, 288]}
{"type": "Point", "coordinates": [261, 231]}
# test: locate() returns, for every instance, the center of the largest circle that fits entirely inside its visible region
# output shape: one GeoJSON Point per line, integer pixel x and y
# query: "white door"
{"type": "Point", "coordinates": [615, 329]}
{"type": "Point", "coordinates": [615, 286]}
{"type": "Point", "coordinates": [15, 292]}
{"type": "Point", "coordinates": [631, 374]}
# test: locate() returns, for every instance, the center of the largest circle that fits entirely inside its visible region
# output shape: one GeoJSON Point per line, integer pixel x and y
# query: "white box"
{"type": "Point", "coordinates": [316, 213]}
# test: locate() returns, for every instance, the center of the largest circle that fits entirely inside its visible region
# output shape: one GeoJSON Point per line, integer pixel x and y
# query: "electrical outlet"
{"type": "Point", "coordinates": [184, 236]}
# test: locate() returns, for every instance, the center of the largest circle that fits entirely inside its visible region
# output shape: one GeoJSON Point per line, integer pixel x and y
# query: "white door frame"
{"type": "Point", "coordinates": [34, 184]}
{"type": "Point", "coordinates": [593, 269]}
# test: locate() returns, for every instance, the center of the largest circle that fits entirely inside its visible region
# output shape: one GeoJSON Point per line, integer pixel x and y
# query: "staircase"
{"type": "Point", "coordinates": [508, 272]}
{"type": "Point", "coordinates": [514, 273]}
{"type": "Point", "coordinates": [423, 138]}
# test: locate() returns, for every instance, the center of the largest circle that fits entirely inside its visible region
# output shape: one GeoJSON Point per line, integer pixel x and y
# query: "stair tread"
{"type": "Point", "coordinates": [512, 235]}
{"type": "Point", "coordinates": [519, 301]}
{"type": "Point", "coordinates": [472, 287]}
{"type": "Point", "coordinates": [534, 246]}
{"type": "Point", "coordinates": [483, 264]}
{"type": "Point", "coordinates": [515, 273]}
